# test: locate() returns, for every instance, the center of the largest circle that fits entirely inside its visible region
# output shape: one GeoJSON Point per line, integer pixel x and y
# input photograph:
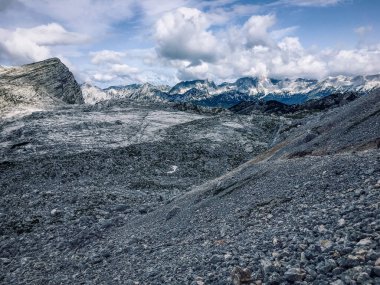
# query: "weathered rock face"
{"type": "Point", "coordinates": [38, 84]}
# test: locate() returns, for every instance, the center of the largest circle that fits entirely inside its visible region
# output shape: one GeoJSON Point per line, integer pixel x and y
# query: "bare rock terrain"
{"type": "Point", "coordinates": [151, 193]}
{"type": "Point", "coordinates": [37, 85]}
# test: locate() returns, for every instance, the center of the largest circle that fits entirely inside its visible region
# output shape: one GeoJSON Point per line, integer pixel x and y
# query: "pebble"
{"type": "Point", "coordinates": [241, 275]}
{"type": "Point", "coordinates": [55, 212]}
{"type": "Point", "coordinates": [337, 282]}
{"type": "Point", "coordinates": [376, 271]}
{"type": "Point", "coordinates": [362, 277]}
{"type": "Point", "coordinates": [365, 241]}
{"type": "Point", "coordinates": [173, 212]}
{"type": "Point", "coordinates": [295, 274]}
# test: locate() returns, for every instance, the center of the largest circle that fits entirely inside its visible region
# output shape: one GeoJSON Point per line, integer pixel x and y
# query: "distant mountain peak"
{"type": "Point", "coordinates": [205, 92]}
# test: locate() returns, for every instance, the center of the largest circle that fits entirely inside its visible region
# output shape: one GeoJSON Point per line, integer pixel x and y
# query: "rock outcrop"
{"type": "Point", "coordinates": [43, 83]}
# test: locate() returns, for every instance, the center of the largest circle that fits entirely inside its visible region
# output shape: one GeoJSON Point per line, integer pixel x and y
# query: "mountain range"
{"type": "Point", "coordinates": [225, 95]}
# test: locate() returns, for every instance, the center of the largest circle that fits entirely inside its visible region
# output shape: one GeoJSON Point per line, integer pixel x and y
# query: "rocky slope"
{"type": "Point", "coordinates": [145, 193]}
{"type": "Point", "coordinates": [40, 84]}
{"type": "Point", "coordinates": [247, 89]}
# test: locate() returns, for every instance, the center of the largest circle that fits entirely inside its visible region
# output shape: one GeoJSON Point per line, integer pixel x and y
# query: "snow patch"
{"type": "Point", "coordinates": [173, 169]}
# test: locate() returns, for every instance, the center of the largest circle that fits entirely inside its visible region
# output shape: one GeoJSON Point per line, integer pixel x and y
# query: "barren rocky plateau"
{"type": "Point", "coordinates": [125, 192]}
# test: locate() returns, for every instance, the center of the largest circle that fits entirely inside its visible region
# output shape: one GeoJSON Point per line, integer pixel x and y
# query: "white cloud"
{"type": "Point", "coordinates": [309, 3]}
{"type": "Point", "coordinates": [123, 69]}
{"type": "Point", "coordinates": [87, 16]}
{"type": "Point", "coordinates": [207, 40]}
{"type": "Point", "coordinates": [183, 34]}
{"type": "Point", "coordinates": [197, 71]}
{"type": "Point", "coordinates": [256, 30]}
{"type": "Point", "coordinates": [25, 45]}
{"type": "Point", "coordinates": [356, 61]}
{"type": "Point", "coordinates": [107, 56]}
{"type": "Point", "coordinates": [112, 72]}
{"type": "Point", "coordinates": [103, 77]}
{"type": "Point", "coordinates": [254, 49]}
{"type": "Point", "coordinates": [363, 30]}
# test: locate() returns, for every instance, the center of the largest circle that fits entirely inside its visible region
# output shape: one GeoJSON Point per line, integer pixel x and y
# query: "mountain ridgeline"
{"type": "Point", "coordinates": [207, 93]}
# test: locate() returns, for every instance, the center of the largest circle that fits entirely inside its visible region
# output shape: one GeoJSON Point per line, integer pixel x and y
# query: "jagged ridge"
{"type": "Point", "coordinates": [207, 93]}
{"type": "Point", "coordinates": [38, 84]}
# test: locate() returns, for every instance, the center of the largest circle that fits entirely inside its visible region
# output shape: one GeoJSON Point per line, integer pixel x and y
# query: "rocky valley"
{"type": "Point", "coordinates": [130, 186]}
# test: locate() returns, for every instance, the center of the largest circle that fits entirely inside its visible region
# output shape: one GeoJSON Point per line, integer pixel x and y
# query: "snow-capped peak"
{"type": "Point", "coordinates": [206, 92]}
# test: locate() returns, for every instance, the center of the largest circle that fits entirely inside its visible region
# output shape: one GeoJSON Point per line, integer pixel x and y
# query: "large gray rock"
{"type": "Point", "coordinates": [47, 82]}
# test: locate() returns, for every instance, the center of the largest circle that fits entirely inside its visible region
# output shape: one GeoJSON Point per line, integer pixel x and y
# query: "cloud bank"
{"type": "Point", "coordinates": [36, 43]}
{"type": "Point", "coordinates": [254, 48]}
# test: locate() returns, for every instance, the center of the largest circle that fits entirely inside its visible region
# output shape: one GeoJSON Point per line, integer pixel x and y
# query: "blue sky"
{"type": "Point", "coordinates": [125, 41]}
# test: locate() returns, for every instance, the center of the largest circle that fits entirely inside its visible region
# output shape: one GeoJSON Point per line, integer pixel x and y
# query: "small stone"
{"type": "Point", "coordinates": [143, 211]}
{"type": "Point", "coordinates": [322, 229]}
{"type": "Point", "coordinates": [241, 275]}
{"type": "Point", "coordinates": [327, 266]}
{"type": "Point", "coordinates": [376, 271]}
{"type": "Point", "coordinates": [337, 271]}
{"type": "Point", "coordinates": [325, 244]}
{"type": "Point", "coordinates": [5, 260]}
{"type": "Point", "coordinates": [377, 262]}
{"type": "Point", "coordinates": [362, 277]}
{"type": "Point", "coordinates": [341, 222]}
{"type": "Point", "coordinates": [274, 279]}
{"type": "Point", "coordinates": [349, 261]}
{"type": "Point", "coordinates": [303, 257]}
{"type": "Point", "coordinates": [337, 282]}
{"type": "Point", "coordinates": [359, 192]}
{"type": "Point", "coordinates": [55, 212]}
{"type": "Point", "coordinates": [227, 256]}
{"type": "Point", "coordinates": [216, 259]}
{"type": "Point", "coordinates": [266, 266]}
{"type": "Point", "coordinates": [295, 274]}
{"type": "Point", "coordinates": [365, 241]}
{"type": "Point", "coordinates": [173, 212]}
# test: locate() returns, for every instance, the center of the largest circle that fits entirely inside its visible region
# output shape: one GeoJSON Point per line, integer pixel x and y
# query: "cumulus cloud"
{"type": "Point", "coordinates": [183, 34]}
{"type": "Point", "coordinates": [113, 72]}
{"type": "Point", "coordinates": [107, 56]}
{"type": "Point", "coordinates": [219, 40]}
{"type": "Point", "coordinates": [25, 45]}
{"type": "Point", "coordinates": [103, 77]}
{"type": "Point", "coordinates": [256, 30]}
{"type": "Point", "coordinates": [254, 48]}
{"type": "Point", "coordinates": [123, 69]}
{"type": "Point", "coordinates": [355, 61]}
{"type": "Point", "coordinates": [191, 72]}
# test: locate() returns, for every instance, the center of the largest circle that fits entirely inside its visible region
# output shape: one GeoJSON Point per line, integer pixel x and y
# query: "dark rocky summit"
{"type": "Point", "coordinates": [151, 193]}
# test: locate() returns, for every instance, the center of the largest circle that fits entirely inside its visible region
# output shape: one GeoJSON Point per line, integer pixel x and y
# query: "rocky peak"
{"type": "Point", "coordinates": [39, 84]}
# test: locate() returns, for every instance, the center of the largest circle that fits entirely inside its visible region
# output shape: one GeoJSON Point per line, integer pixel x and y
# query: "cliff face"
{"type": "Point", "coordinates": [38, 84]}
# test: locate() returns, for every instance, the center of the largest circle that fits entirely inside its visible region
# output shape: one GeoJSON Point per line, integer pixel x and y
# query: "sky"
{"type": "Point", "coordinates": [117, 42]}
